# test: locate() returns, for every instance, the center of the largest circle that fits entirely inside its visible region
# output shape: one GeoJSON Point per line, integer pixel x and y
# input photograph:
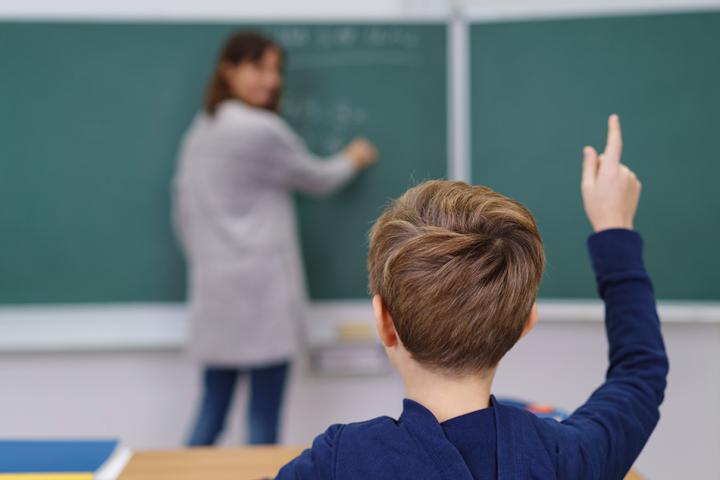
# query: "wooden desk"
{"type": "Point", "coordinates": [246, 463]}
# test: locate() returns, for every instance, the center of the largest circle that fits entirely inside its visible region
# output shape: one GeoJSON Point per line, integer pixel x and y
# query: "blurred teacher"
{"type": "Point", "coordinates": [239, 163]}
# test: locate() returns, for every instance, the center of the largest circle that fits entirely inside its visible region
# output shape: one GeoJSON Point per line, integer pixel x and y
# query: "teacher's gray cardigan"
{"type": "Point", "coordinates": [234, 215]}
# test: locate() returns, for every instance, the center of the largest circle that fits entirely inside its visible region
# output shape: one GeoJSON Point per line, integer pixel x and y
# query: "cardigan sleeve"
{"type": "Point", "coordinates": [604, 436]}
{"type": "Point", "coordinates": [293, 166]}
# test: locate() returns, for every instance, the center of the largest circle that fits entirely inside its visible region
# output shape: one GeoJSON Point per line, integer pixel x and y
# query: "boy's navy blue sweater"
{"type": "Point", "coordinates": [600, 440]}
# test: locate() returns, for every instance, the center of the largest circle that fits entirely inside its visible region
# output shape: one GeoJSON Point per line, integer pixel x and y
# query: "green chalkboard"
{"type": "Point", "coordinates": [543, 89]}
{"type": "Point", "coordinates": [90, 119]}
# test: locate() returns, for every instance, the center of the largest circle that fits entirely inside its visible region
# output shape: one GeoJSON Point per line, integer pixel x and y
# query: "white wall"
{"type": "Point", "coordinates": [146, 397]}
{"type": "Point", "coordinates": [273, 9]}
{"type": "Point", "coordinates": [206, 9]}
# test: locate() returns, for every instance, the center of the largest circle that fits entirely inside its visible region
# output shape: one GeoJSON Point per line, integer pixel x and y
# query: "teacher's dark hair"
{"type": "Point", "coordinates": [239, 47]}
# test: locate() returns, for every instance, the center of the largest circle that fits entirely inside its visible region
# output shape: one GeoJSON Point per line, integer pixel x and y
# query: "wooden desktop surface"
{"type": "Point", "coordinates": [245, 463]}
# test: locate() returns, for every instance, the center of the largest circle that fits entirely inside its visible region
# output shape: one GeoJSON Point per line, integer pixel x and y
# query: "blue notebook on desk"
{"type": "Point", "coordinates": [54, 456]}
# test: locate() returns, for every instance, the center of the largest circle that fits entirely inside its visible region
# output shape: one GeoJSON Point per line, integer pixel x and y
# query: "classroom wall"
{"type": "Point", "coordinates": [147, 399]}
{"type": "Point", "coordinates": [274, 9]}
{"type": "Point", "coordinates": [147, 396]}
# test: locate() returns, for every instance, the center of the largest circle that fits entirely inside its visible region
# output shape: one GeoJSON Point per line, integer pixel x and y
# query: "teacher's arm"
{"type": "Point", "coordinates": [293, 165]}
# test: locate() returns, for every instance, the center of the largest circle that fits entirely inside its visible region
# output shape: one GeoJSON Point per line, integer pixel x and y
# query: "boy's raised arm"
{"type": "Point", "coordinates": [611, 428]}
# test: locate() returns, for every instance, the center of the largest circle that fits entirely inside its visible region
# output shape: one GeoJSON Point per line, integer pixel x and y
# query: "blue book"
{"type": "Point", "coordinates": [54, 456]}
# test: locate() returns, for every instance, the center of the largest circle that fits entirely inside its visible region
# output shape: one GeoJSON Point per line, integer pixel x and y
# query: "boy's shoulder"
{"type": "Point", "coordinates": [372, 448]}
{"type": "Point", "coordinates": [380, 448]}
{"type": "Point", "coordinates": [366, 449]}
{"type": "Point", "coordinates": [359, 434]}
{"type": "Point", "coordinates": [513, 424]}
{"type": "Point", "coordinates": [414, 446]}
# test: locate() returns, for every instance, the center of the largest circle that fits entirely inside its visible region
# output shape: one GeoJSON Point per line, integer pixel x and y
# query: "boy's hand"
{"type": "Point", "coordinates": [610, 189]}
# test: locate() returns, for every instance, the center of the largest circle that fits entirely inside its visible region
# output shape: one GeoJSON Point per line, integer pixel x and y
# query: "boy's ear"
{"type": "Point", "coordinates": [384, 323]}
{"type": "Point", "coordinates": [531, 321]}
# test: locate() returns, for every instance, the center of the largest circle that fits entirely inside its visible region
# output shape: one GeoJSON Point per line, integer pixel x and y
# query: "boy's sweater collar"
{"type": "Point", "coordinates": [427, 431]}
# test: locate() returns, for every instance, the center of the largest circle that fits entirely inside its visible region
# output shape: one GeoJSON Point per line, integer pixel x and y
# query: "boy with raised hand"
{"type": "Point", "coordinates": [454, 273]}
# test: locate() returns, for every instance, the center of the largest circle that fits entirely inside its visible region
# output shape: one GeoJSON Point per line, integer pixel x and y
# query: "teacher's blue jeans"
{"type": "Point", "coordinates": [267, 388]}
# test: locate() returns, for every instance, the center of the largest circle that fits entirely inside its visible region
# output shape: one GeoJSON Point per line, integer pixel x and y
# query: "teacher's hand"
{"type": "Point", "coordinates": [361, 152]}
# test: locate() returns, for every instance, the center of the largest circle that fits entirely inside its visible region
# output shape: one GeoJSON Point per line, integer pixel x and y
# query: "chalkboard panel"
{"type": "Point", "coordinates": [541, 90]}
{"type": "Point", "coordinates": [90, 119]}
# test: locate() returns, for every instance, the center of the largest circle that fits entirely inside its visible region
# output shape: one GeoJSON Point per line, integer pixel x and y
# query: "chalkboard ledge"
{"type": "Point", "coordinates": [149, 327]}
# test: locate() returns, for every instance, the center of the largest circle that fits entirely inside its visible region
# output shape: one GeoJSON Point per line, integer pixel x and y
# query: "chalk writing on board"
{"type": "Point", "coordinates": [346, 37]}
{"type": "Point", "coordinates": [304, 61]}
{"type": "Point", "coordinates": [325, 124]}
{"type": "Point", "coordinates": [328, 123]}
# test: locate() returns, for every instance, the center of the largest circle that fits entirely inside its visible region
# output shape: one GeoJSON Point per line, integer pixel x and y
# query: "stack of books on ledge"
{"type": "Point", "coordinates": [352, 349]}
{"type": "Point", "coordinates": [62, 459]}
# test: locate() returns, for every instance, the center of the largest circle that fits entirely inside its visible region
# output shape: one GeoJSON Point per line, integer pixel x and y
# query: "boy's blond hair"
{"type": "Point", "coordinates": [458, 268]}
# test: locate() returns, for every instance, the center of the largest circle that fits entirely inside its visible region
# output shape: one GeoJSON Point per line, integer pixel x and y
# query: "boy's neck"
{"type": "Point", "coordinates": [446, 396]}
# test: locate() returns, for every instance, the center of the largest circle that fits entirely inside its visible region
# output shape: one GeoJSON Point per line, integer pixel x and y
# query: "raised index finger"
{"type": "Point", "coordinates": [613, 148]}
